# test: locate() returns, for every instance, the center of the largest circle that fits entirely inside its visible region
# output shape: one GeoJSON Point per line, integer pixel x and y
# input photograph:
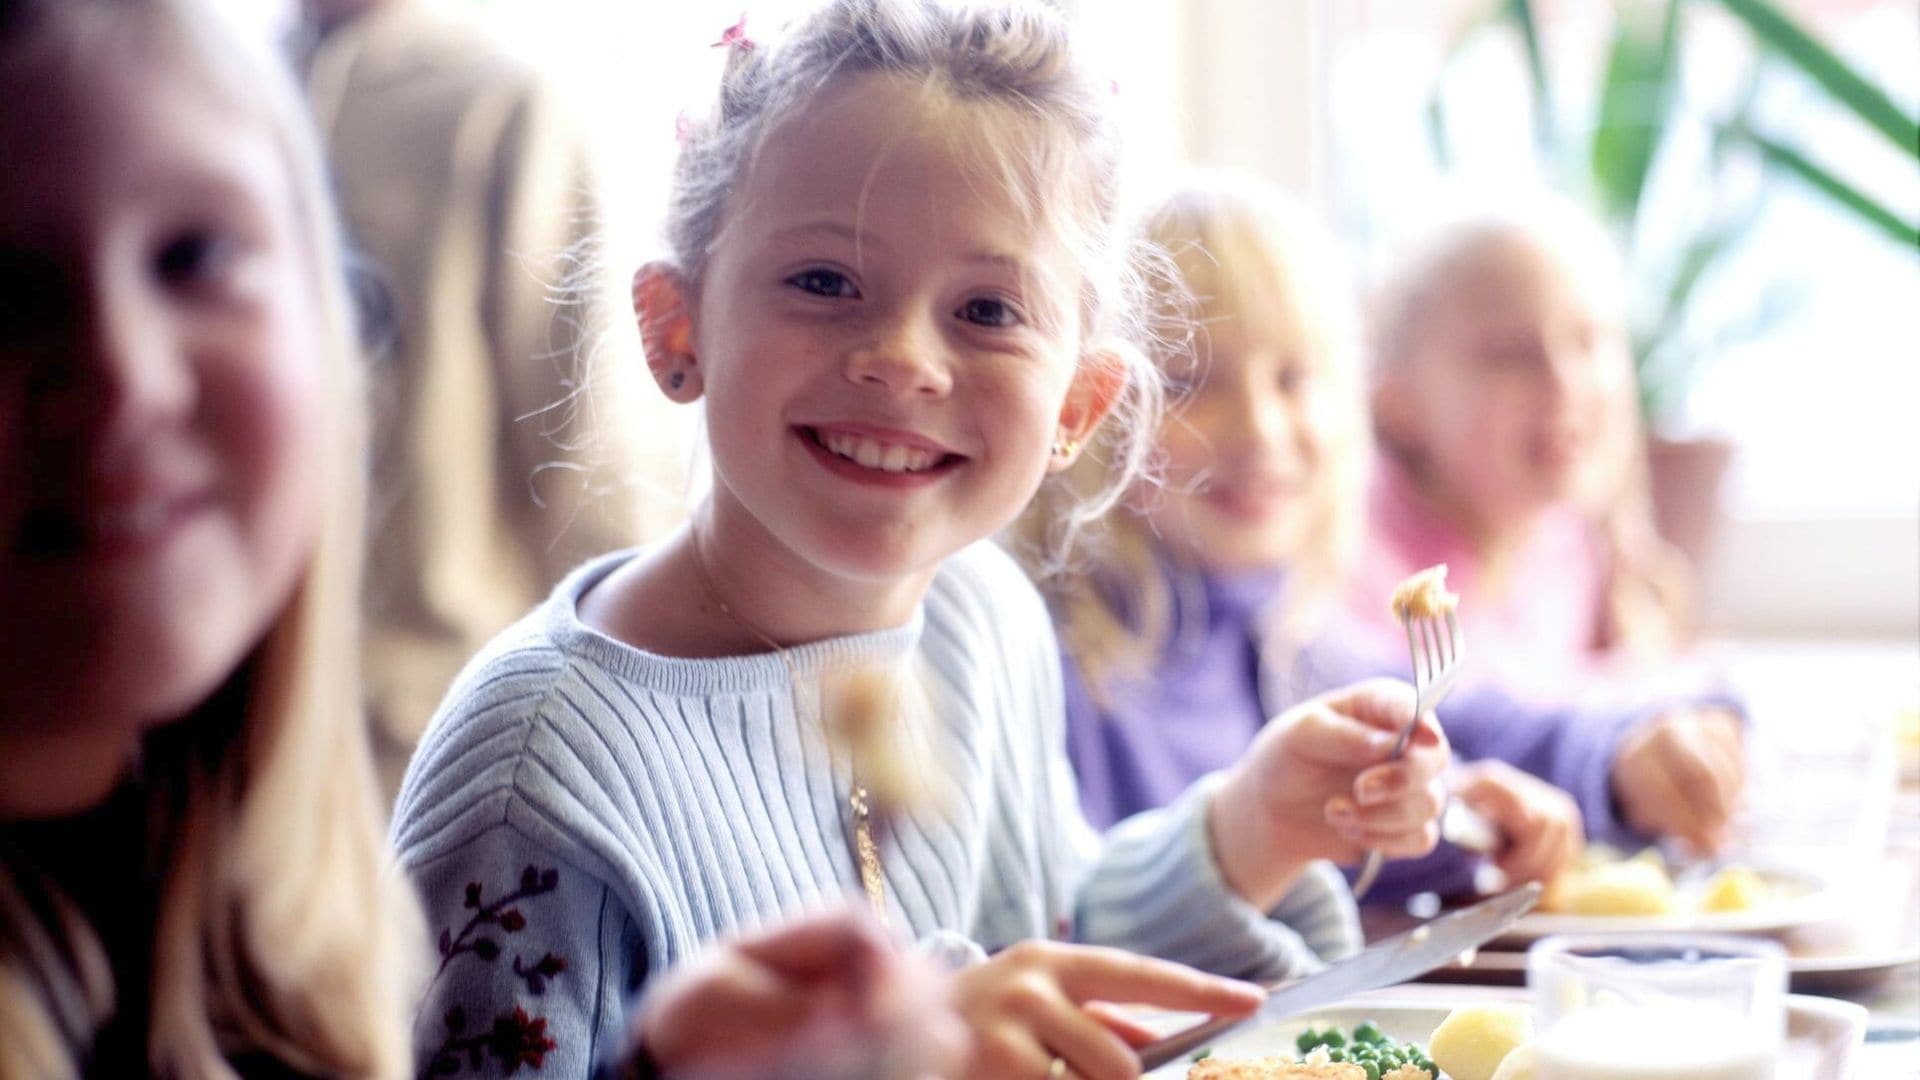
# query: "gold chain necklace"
{"type": "Point", "coordinates": [866, 851]}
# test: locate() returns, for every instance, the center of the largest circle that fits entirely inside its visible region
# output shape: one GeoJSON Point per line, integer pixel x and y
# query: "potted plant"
{"type": "Point", "coordinates": [1638, 110]}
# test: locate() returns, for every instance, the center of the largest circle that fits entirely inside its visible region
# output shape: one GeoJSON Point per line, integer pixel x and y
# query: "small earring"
{"type": "Point", "coordinates": [677, 380]}
{"type": "Point", "coordinates": [1065, 448]}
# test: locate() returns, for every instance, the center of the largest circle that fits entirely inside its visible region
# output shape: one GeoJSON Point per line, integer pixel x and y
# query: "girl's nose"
{"type": "Point", "coordinates": [1572, 375]}
{"type": "Point", "coordinates": [905, 357]}
{"type": "Point", "coordinates": [1260, 422]}
{"type": "Point", "coordinates": [123, 371]}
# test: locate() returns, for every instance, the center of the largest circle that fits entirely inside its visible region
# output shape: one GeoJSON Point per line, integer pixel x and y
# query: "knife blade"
{"type": "Point", "coordinates": [1396, 959]}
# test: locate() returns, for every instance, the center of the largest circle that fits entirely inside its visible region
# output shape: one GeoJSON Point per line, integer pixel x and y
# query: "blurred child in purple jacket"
{"type": "Point", "coordinates": [1212, 601]}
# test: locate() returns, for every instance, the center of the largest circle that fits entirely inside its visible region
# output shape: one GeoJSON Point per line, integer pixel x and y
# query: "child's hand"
{"type": "Point", "coordinates": [1681, 773]}
{"type": "Point", "coordinates": [1029, 1004]}
{"type": "Point", "coordinates": [1540, 828]}
{"type": "Point", "coordinates": [824, 996]}
{"type": "Point", "coordinates": [1317, 784]}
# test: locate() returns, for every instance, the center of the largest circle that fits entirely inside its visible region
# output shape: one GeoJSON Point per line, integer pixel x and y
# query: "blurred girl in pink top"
{"type": "Point", "coordinates": [1504, 408]}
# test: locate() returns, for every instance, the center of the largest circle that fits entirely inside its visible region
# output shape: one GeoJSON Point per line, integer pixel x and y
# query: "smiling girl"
{"type": "Point", "coordinates": [899, 290]}
{"type": "Point", "coordinates": [192, 879]}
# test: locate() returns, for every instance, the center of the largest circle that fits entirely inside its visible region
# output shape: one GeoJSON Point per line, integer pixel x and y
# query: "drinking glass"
{"type": "Point", "coordinates": [1657, 1006]}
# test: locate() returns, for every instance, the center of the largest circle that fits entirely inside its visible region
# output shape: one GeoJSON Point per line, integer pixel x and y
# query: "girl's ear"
{"type": "Point", "coordinates": [1096, 386]}
{"type": "Point", "coordinates": [662, 306]}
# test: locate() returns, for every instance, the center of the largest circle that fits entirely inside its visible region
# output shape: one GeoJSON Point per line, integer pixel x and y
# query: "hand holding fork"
{"type": "Point", "coordinates": [1436, 645]}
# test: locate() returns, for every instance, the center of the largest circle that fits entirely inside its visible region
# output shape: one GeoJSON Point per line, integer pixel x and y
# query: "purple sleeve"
{"type": "Point", "coordinates": [1570, 746]}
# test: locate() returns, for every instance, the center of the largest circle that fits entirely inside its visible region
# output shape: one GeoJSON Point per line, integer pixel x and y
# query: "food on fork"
{"type": "Point", "coordinates": [869, 720]}
{"type": "Point", "coordinates": [1474, 1040]}
{"type": "Point", "coordinates": [1424, 595]}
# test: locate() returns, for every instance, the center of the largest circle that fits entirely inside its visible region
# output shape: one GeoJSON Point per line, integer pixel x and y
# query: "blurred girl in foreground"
{"type": "Point", "coordinates": [192, 877]}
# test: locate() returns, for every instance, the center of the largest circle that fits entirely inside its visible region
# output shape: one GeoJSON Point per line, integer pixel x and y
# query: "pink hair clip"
{"type": "Point", "coordinates": [735, 36]}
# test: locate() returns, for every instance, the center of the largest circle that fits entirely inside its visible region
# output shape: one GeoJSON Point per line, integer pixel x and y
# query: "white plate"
{"type": "Point", "coordinates": [1822, 1034]}
{"type": "Point", "coordinates": [1799, 899]}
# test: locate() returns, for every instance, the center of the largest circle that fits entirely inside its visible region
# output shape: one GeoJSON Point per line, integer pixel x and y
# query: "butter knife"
{"type": "Point", "coordinates": [1396, 959]}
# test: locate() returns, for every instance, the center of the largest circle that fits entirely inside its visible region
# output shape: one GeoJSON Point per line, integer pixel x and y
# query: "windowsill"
{"type": "Point", "coordinates": [1828, 576]}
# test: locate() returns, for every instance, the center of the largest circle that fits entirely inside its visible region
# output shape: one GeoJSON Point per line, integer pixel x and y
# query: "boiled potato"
{"type": "Point", "coordinates": [1518, 1065]}
{"type": "Point", "coordinates": [1470, 1043]}
{"type": "Point", "coordinates": [1734, 888]}
{"type": "Point", "coordinates": [1632, 887]}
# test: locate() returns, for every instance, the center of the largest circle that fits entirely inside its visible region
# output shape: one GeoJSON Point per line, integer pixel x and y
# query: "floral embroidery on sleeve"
{"type": "Point", "coordinates": [514, 1038]}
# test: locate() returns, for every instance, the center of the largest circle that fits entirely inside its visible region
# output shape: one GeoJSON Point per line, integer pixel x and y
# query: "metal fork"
{"type": "Point", "coordinates": [1436, 656]}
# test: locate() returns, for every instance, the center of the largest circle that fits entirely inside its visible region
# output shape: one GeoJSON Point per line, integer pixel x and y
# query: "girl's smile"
{"type": "Point", "coordinates": [134, 524]}
{"type": "Point", "coordinates": [1252, 501]}
{"type": "Point", "coordinates": [867, 454]}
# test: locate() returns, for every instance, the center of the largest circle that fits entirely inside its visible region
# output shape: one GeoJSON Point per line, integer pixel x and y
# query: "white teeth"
{"type": "Point", "coordinates": [874, 454]}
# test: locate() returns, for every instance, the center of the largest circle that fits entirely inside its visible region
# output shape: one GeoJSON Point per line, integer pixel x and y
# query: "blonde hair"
{"type": "Point", "coordinates": [281, 924]}
{"type": "Point", "coordinates": [1648, 606]}
{"type": "Point", "coordinates": [1018, 57]}
{"type": "Point", "coordinates": [1241, 250]}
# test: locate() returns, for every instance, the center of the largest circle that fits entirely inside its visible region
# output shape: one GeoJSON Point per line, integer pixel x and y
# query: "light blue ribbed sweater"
{"type": "Point", "coordinates": [582, 814]}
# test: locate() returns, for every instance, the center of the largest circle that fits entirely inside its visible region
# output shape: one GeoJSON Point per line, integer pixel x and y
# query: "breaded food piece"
{"type": "Point", "coordinates": [1424, 595]}
{"type": "Point", "coordinates": [1280, 1068]}
{"type": "Point", "coordinates": [1276, 1068]}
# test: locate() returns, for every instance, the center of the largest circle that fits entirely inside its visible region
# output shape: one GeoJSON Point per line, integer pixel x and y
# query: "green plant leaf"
{"type": "Point", "coordinates": [1805, 52]}
{"type": "Point", "coordinates": [1820, 179]}
{"type": "Point", "coordinates": [1652, 344]}
{"type": "Point", "coordinates": [1636, 105]}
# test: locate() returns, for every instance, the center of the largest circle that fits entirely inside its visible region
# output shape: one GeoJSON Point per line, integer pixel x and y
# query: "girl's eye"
{"type": "Point", "coordinates": [989, 311]}
{"type": "Point", "coordinates": [820, 282]}
{"type": "Point", "coordinates": [193, 257]}
{"type": "Point", "coordinates": [1292, 380]}
{"type": "Point", "coordinates": [1510, 354]}
{"type": "Point", "coordinates": [1183, 382]}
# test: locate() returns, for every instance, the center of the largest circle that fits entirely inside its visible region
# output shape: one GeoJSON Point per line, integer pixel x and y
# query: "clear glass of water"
{"type": "Point", "coordinates": [1657, 1007]}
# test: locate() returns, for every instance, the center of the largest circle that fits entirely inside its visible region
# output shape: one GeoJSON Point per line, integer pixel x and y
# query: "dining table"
{"type": "Point", "coordinates": [1832, 806]}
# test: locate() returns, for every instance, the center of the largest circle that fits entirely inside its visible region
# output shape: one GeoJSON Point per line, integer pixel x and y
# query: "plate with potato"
{"type": "Point", "coordinates": [1464, 1033]}
{"type": "Point", "coordinates": [1608, 891]}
